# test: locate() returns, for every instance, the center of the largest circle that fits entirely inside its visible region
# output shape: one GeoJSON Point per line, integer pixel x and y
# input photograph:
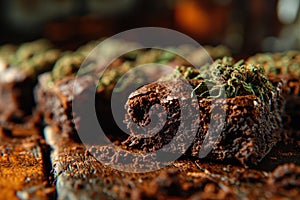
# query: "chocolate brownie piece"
{"type": "Point", "coordinates": [54, 92]}
{"type": "Point", "coordinates": [291, 112]}
{"type": "Point", "coordinates": [246, 131]}
{"type": "Point", "coordinates": [19, 77]}
{"type": "Point", "coordinates": [285, 68]}
{"type": "Point", "coordinates": [62, 77]}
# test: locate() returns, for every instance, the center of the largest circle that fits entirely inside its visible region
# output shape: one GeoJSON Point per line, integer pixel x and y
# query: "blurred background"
{"type": "Point", "coordinates": [245, 26]}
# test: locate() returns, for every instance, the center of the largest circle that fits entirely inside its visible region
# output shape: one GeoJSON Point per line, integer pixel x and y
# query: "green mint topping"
{"type": "Point", "coordinates": [232, 79]}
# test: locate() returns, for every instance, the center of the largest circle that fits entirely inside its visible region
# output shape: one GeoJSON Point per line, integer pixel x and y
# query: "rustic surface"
{"type": "Point", "coordinates": [75, 173]}
{"type": "Point", "coordinates": [23, 171]}
{"type": "Point", "coordinates": [78, 175]}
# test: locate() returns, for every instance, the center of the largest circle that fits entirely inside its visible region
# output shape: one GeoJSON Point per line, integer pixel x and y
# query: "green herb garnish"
{"type": "Point", "coordinates": [67, 65]}
{"type": "Point", "coordinates": [286, 63]}
{"type": "Point", "coordinates": [233, 79]}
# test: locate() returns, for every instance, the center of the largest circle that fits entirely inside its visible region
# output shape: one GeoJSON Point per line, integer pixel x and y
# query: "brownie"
{"type": "Point", "coordinates": [54, 92]}
{"type": "Point", "coordinates": [19, 77]}
{"type": "Point", "coordinates": [285, 68]}
{"type": "Point", "coordinates": [248, 122]}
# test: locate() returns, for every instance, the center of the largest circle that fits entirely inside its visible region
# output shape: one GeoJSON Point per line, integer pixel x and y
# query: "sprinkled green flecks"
{"type": "Point", "coordinates": [285, 63]}
{"type": "Point", "coordinates": [6, 51]}
{"type": "Point", "coordinates": [233, 79]}
{"type": "Point", "coordinates": [154, 56]}
{"type": "Point", "coordinates": [112, 75]}
{"type": "Point", "coordinates": [32, 58]}
{"type": "Point", "coordinates": [131, 60]}
{"type": "Point", "coordinates": [70, 63]}
{"type": "Point", "coordinates": [40, 63]}
{"type": "Point", "coordinates": [29, 49]}
{"type": "Point", "coordinates": [67, 65]}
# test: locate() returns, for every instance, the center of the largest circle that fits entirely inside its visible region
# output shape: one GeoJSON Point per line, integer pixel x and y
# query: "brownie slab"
{"type": "Point", "coordinates": [19, 78]}
{"type": "Point", "coordinates": [240, 122]}
{"type": "Point", "coordinates": [285, 67]}
{"type": "Point", "coordinates": [55, 94]}
{"type": "Point", "coordinates": [291, 111]}
{"type": "Point", "coordinates": [12, 90]}
{"type": "Point", "coordinates": [55, 88]}
{"type": "Point", "coordinates": [55, 103]}
{"type": "Point", "coordinates": [249, 130]}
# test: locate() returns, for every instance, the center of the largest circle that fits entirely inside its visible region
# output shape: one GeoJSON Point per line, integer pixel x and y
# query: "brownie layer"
{"type": "Point", "coordinates": [16, 95]}
{"type": "Point", "coordinates": [291, 108]}
{"type": "Point", "coordinates": [20, 67]}
{"type": "Point", "coordinates": [55, 96]}
{"type": "Point", "coordinates": [247, 131]}
{"type": "Point", "coordinates": [284, 67]}
{"type": "Point", "coordinates": [55, 103]}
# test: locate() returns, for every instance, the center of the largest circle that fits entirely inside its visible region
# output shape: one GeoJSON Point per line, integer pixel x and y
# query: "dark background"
{"type": "Point", "coordinates": [245, 26]}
